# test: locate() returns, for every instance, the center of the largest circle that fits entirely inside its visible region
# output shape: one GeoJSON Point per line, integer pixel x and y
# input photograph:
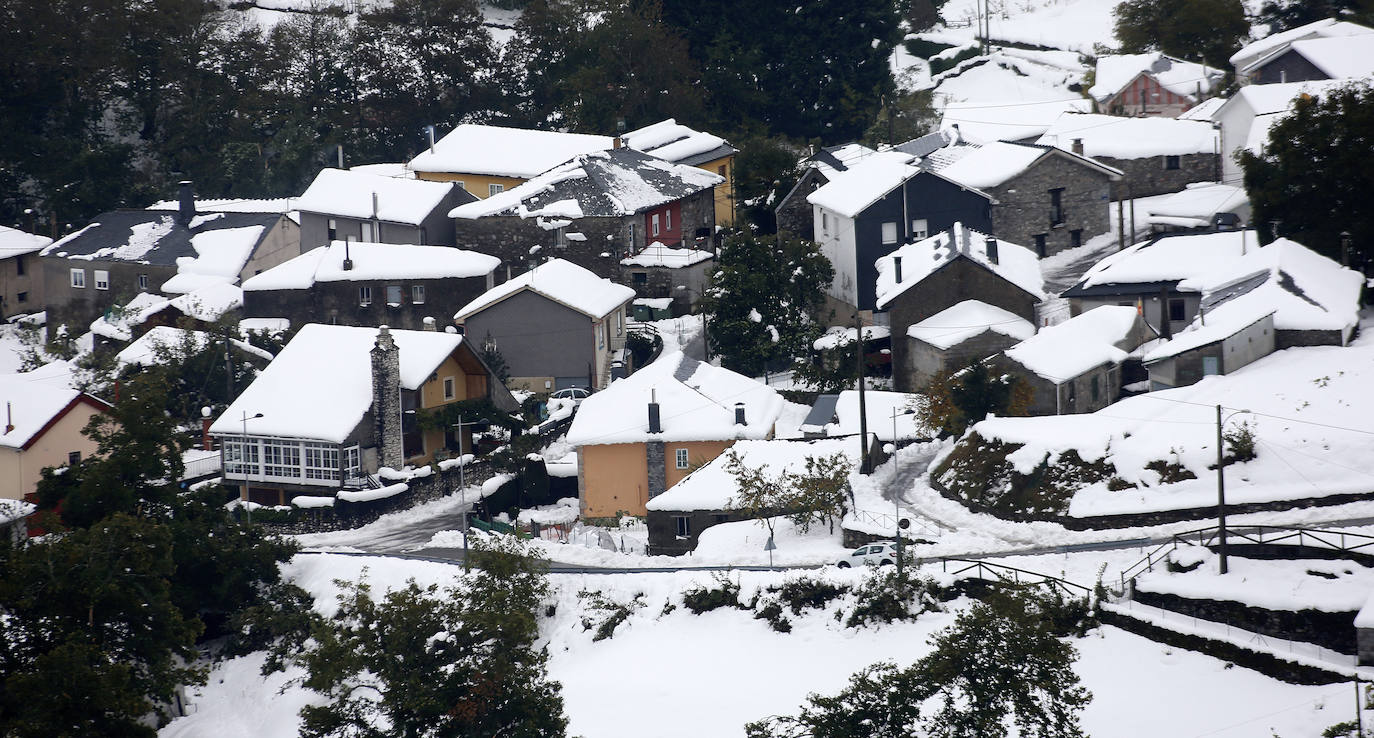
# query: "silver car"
{"type": "Point", "coordinates": [881, 553]}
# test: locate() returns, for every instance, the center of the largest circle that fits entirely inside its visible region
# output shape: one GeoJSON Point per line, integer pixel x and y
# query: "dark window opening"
{"type": "Point", "coordinates": [1176, 310]}
{"type": "Point", "coordinates": [19, 265]}
{"type": "Point", "coordinates": [73, 458]}
{"type": "Point", "coordinates": [684, 525]}
{"type": "Point", "coordinates": [1040, 244]}
{"type": "Point", "coordinates": [1075, 238]}
{"type": "Point", "coordinates": [1057, 206]}
{"type": "Point", "coordinates": [1171, 162]}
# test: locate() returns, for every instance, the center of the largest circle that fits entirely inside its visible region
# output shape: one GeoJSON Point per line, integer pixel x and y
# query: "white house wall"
{"type": "Point", "coordinates": [838, 244]}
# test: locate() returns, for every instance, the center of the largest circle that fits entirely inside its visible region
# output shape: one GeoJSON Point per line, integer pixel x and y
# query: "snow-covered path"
{"type": "Point", "coordinates": [401, 532]}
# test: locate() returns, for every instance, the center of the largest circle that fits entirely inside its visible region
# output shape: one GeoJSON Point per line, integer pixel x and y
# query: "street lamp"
{"type": "Point", "coordinates": [705, 338]}
{"type": "Point", "coordinates": [243, 461]}
{"type": "Point", "coordinates": [1221, 486]}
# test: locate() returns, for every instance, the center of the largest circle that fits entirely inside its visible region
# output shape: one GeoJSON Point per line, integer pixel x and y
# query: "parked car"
{"type": "Point", "coordinates": [881, 553]}
{"type": "Point", "coordinates": [576, 394]}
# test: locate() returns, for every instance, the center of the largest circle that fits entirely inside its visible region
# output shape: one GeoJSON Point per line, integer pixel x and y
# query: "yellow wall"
{"type": "Point", "coordinates": [477, 184]}
{"type": "Point", "coordinates": [20, 470]}
{"type": "Point", "coordinates": [465, 387]}
{"type": "Point", "coordinates": [725, 192]}
{"type": "Point", "coordinates": [615, 477]}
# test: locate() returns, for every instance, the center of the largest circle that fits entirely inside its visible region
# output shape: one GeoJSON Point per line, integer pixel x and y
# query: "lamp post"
{"type": "Point", "coordinates": [705, 337]}
{"type": "Point", "coordinates": [243, 460]}
{"type": "Point", "coordinates": [1221, 486]}
{"type": "Point", "coordinates": [865, 464]}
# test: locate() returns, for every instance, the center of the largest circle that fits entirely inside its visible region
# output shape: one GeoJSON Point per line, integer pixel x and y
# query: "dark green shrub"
{"type": "Point", "coordinates": [885, 597]}
{"type": "Point", "coordinates": [701, 599]}
{"type": "Point", "coordinates": [613, 613]}
{"type": "Point", "coordinates": [808, 592]}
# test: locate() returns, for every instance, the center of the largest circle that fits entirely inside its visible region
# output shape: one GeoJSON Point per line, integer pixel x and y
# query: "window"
{"type": "Point", "coordinates": [22, 297]}
{"type": "Point", "coordinates": [619, 323]}
{"type": "Point", "coordinates": [102, 279]}
{"type": "Point", "coordinates": [73, 458]}
{"type": "Point", "coordinates": [321, 461]}
{"type": "Point", "coordinates": [333, 230]}
{"type": "Point", "coordinates": [393, 295]}
{"type": "Point", "coordinates": [601, 335]}
{"type": "Point", "coordinates": [281, 458]}
{"type": "Point", "coordinates": [449, 391]}
{"type": "Point", "coordinates": [1096, 390]}
{"type": "Point", "coordinates": [368, 235]}
{"type": "Point", "coordinates": [632, 238]}
{"type": "Point", "coordinates": [495, 189]}
{"type": "Point", "coordinates": [241, 457]}
{"type": "Point", "coordinates": [667, 220]}
{"type": "Point", "coordinates": [417, 294]}
{"type": "Point", "coordinates": [1171, 162]}
{"type": "Point", "coordinates": [654, 220]}
{"type": "Point", "coordinates": [79, 278]}
{"type": "Point", "coordinates": [919, 229]}
{"type": "Point", "coordinates": [721, 170]}
{"type": "Point", "coordinates": [684, 525]}
{"type": "Point", "coordinates": [364, 296]}
{"type": "Point", "coordinates": [1039, 243]}
{"type": "Point", "coordinates": [353, 461]}
{"type": "Point", "coordinates": [143, 282]}
{"type": "Point", "coordinates": [1176, 309]}
{"type": "Point", "coordinates": [461, 183]}
{"type": "Point", "coordinates": [1075, 238]}
{"type": "Point", "coordinates": [19, 265]}
{"type": "Point", "coordinates": [1057, 206]}
{"type": "Point", "coordinates": [640, 279]}
{"type": "Point", "coordinates": [889, 233]}
{"type": "Point", "coordinates": [681, 457]}
{"type": "Point", "coordinates": [825, 223]}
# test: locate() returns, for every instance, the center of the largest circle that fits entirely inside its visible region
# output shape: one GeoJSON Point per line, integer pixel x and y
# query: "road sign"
{"type": "Point", "coordinates": [769, 546]}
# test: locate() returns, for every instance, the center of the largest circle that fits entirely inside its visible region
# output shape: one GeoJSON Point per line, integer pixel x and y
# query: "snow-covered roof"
{"type": "Point", "coordinates": [563, 282]}
{"type": "Point", "coordinates": [1131, 138]}
{"type": "Point", "coordinates": [207, 304]}
{"type": "Point", "coordinates": [1016, 264]}
{"type": "Point", "coordinates": [982, 166]}
{"type": "Point", "coordinates": [1063, 351]}
{"type": "Point", "coordinates": [838, 335]}
{"type": "Point", "coordinates": [1168, 259]}
{"type": "Point", "coordinates": [295, 403]}
{"type": "Point", "coordinates": [658, 255]}
{"type": "Point", "coordinates": [1205, 110]}
{"type": "Point", "coordinates": [144, 351]}
{"type": "Point", "coordinates": [12, 510]}
{"type": "Point", "coordinates": [672, 141]}
{"type": "Point", "coordinates": [29, 402]}
{"type": "Point", "coordinates": [612, 183]}
{"type": "Point", "coordinates": [1324, 28]}
{"type": "Point", "coordinates": [1183, 78]}
{"type": "Point", "coordinates": [880, 409]}
{"type": "Point", "coordinates": [964, 320]}
{"type": "Point", "coordinates": [279, 205]}
{"type": "Point", "coordinates": [506, 152]}
{"type": "Point", "coordinates": [220, 257]}
{"type": "Point", "coordinates": [713, 488]}
{"type": "Point", "coordinates": [354, 194]}
{"type": "Point", "coordinates": [1008, 120]}
{"type": "Point", "coordinates": [1341, 57]}
{"type": "Point", "coordinates": [1197, 204]}
{"type": "Point", "coordinates": [215, 242]}
{"type": "Point", "coordinates": [865, 182]}
{"type": "Point", "coordinates": [696, 403]}
{"type": "Point", "coordinates": [17, 243]}
{"type": "Point", "coordinates": [845, 155]}
{"type": "Point", "coordinates": [396, 169]}
{"type": "Point", "coordinates": [1278, 98]}
{"type": "Point", "coordinates": [372, 261]}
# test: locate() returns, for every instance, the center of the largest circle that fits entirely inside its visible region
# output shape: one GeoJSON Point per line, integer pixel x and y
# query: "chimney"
{"type": "Point", "coordinates": [1078, 146]}
{"type": "Point", "coordinates": [386, 399]}
{"type": "Point", "coordinates": [990, 247]}
{"type": "Point", "coordinates": [374, 209]}
{"type": "Point", "coordinates": [429, 131]}
{"type": "Point", "coordinates": [897, 268]}
{"type": "Point", "coordinates": [655, 426]}
{"type": "Point", "coordinates": [9, 417]}
{"type": "Point", "coordinates": [430, 325]}
{"type": "Point", "coordinates": [1166, 331]}
{"type": "Point", "coordinates": [348, 259]}
{"type": "Point", "coordinates": [341, 166]}
{"type": "Point", "coordinates": [617, 142]}
{"type": "Point", "coordinates": [205, 443]}
{"type": "Point", "coordinates": [958, 137]}
{"type": "Point", "coordinates": [739, 414]}
{"type": "Point", "coordinates": [186, 203]}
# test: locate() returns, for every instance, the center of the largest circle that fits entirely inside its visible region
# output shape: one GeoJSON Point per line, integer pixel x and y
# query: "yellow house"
{"type": "Point", "coordinates": [42, 421]}
{"type": "Point", "coordinates": [486, 160]}
{"type": "Point", "coordinates": [645, 433]}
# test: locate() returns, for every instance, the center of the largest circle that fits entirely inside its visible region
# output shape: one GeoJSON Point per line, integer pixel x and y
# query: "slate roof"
{"type": "Point", "coordinates": [150, 236]}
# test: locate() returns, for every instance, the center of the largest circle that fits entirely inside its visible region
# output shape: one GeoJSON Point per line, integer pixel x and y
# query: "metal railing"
{"type": "Point", "coordinates": [202, 467]}
{"type": "Point", "coordinates": [889, 520]}
{"type": "Point", "coordinates": [1003, 574]}
{"type": "Point", "coordinates": [1270, 535]}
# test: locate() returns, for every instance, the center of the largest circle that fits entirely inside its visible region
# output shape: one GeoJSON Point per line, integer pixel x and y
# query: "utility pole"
{"type": "Point", "coordinates": [228, 367]}
{"type": "Point", "coordinates": [865, 464]}
{"type": "Point", "coordinates": [1221, 496]}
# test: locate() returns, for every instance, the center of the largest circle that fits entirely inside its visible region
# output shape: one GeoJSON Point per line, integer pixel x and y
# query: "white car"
{"type": "Point", "coordinates": [881, 553]}
{"type": "Point", "coordinates": [576, 394]}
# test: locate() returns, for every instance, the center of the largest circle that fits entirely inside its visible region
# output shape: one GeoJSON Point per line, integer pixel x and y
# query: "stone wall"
{"type": "Point", "coordinates": [1289, 339]}
{"type": "Point", "coordinates": [1149, 175]}
{"type": "Point", "coordinates": [510, 239]}
{"type": "Point", "coordinates": [338, 302]}
{"type": "Point", "coordinates": [386, 400]}
{"type": "Point", "coordinates": [662, 525]}
{"type": "Point", "coordinates": [794, 213]}
{"type": "Point", "coordinates": [1023, 204]}
{"type": "Point", "coordinates": [923, 361]}
{"type": "Point", "coordinates": [1333, 630]}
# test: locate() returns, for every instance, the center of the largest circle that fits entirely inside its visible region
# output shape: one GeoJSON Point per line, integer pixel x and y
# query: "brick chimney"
{"type": "Point", "coordinates": [1078, 146]}
{"type": "Point", "coordinates": [186, 203]}
{"type": "Point", "coordinates": [386, 399]}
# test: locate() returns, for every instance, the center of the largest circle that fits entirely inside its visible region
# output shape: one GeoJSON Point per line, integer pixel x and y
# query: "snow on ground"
{"type": "Point", "coordinates": [11, 349]}
{"type": "Point", "coordinates": [1328, 586]}
{"type": "Point", "coordinates": [1075, 25]}
{"type": "Point", "coordinates": [718, 657]}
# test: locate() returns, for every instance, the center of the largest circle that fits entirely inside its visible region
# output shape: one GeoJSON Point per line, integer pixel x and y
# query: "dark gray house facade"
{"type": "Point", "coordinates": [356, 206]}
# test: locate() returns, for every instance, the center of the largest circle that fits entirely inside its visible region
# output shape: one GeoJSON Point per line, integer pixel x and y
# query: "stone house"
{"type": "Point", "coordinates": [1044, 197]}
{"type": "Point", "coordinates": [645, 433]}
{"type": "Point", "coordinates": [663, 272]}
{"type": "Point", "coordinates": [707, 496]}
{"type": "Point", "coordinates": [42, 423]}
{"type": "Point", "coordinates": [125, 252]}
{"type": "Point", "coordinates": [1156, 155]}
{"type": "Point", "coordinates": [673, 142]}
{"type": "Point", "coordinates": [1075, 366]}
{"type": "Point", "coordinates": [1151, 84]}
{"type": "Point", "coordinates": [371, 284]}
{"type": "Point", "coordinates": [21, 280]}
{"type": "Point", "coordinates": [290, 434]}
{"type": "Point", "coordinates": [1247, 116]}
{"type": "Point", "coordinates": [593, 211]}
{"type": "Point", "coordinates": [487, 160]}
{"type": "Point", "coordinates": [1204, 206]}
{"type": "Point", "coordinates": [923, 279]}
{"type": "Point", "coordinates": [958, 336]}
{"type": "Point", "coordinates": [1269, 60]}
{"type": "Point", "coordinates": [1222, 349]}
{"type": "Point", "coordinates": [556, 326]}
{"type": "Point", "coordinates": [793, 212]}
{"type": "Point", "coordinates": [348, 205]}
{"type": "Point", "coordinates": [1159, 276]}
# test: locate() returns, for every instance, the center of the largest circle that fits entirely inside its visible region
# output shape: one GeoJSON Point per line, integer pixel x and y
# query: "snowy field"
{"type": "Point", "coordinates": [680, 674]}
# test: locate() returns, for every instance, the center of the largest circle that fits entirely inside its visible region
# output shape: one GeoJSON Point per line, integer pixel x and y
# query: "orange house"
{"type": "Point", "coordinates": [643, 434]}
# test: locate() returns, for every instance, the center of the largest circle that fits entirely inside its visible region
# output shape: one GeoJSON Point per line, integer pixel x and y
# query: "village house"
{"type": "Point", "coordinates": [673, 142]}
{"type": "Point", "coordinates": [21, 280]}
{"type": "Point", "coordinates": [593, 211]}
{"type": "Point", "coordinates": [488, 160]}
{"type": "Point", "coordinates": [1076, 366]}
{"type": "Point", "coordinates": [646, 432]}
{"type": "Point", "coordinates": [290, 434]}
{"type": "Point", "coordinates": [1269, 60]}
{"type": "Point", "coordinates": [151, 348]}
{"type": "Point", "coordinates": [1277, 296]}
{"type": "Point", "coordinates": [1156, 155]}
{"type": "Point", "coordinates": [890, 416]}
{"type": "Point", "coordinates": [1203, 206]}
{"type": "Point", "coordinates": [793, 212]}
{"type": "Point", "coordinates": [958, 336]}
{"type": "Point", "coordinates": [198, 310]}
{"type": "Point", "coordinates": [349, 205]}
{"type": "Point", "coordinates": [663, 272]}
{"type": "Point", "coordinates": [555, 326]}
{"type": "Point", "coordinates": [42, 422]}
{"type": "Point", "coordinates": [370, 284]}
{"type": "Point", "coordinates": [125, 252]}
{"type": "Point", "coordinates": [1012, 120]}
{"type": "Point", "coordinates": [1246, 117]}
{"type": "Point", "coordinates": [1157, 276]}
{"type": "Point", "coordinates": [1152, 84]}
{"type": "Point", "coordinates": [925, 278]}
{"type": "Point", "coordinates": [1341, 58]}
{"type": "Point", "coordinates": [708, 495]}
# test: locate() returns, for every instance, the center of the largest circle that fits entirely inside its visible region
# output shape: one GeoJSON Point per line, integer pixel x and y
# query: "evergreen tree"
{"type": "Point", "coordinates": [1206, 30]}
{"type": "Point", "coordinates": [1311, 179]}
{"type": "Point", "coordinates": [1284, 15]}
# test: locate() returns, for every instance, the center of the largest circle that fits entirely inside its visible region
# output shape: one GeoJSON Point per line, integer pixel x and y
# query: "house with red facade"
{"type": "Point", "coordinates": [593, 210]}
{"type": "Point", "coordinates": [1152, 84]}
